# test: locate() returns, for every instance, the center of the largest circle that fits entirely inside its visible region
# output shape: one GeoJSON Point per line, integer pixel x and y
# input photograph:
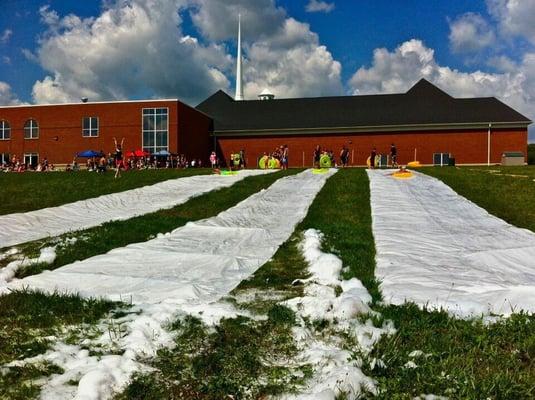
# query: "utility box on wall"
{"type": "Point", "coordinates": [513, 158]}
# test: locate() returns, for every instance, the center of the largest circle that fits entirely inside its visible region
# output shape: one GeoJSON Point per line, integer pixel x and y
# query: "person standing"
{"type": "Point", "coordinates": [344, 156]}
{"type": "Point", "coordinates": [242, 159]}
{"type": "Point", "coordinates": [373, 155]}
{"type": "Point", "coordinates": [317, 156]}
{"type": "Point", "coordinates": [394, 155]}
{"type": "Point", "coordinates": [119, 163]}
{"type": "Point", "coordinates": [213, 159]}
{"type": "Point", "coordinates": [284, 157]}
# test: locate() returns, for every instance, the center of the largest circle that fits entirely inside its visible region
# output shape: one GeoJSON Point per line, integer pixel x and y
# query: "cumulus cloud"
{"type": "Point", "coordinates": [7, 98]}
{"type": "Point", "coordinates": [515, 17]}
{"type": "Point", "coordinates": [396, 71]}
{"type": "Point", "coordinates": [6, 35]}
{"type": "Point", "coordinates": [319, 6]}
{"type": "Point", "coordinates": [134, 47]}
{"type": "Point", "coordinates": [292, 63]}
{"type": "Point", "coordinates": [470, 33]}
{"type": "Point", "coordinates": [218, 19]}
{"type": "Point", "coordinates": [281, 53]}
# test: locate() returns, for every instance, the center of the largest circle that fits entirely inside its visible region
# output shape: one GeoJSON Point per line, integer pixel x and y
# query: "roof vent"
{"type": "Point", "coordinates": [266, 95]}
{"type": "Point", "coordinates": [84, 99]}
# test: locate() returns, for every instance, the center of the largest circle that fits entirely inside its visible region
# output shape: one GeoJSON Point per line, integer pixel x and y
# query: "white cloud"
{"type": "Point", "coordinates": [319, 6]}
{"type": "Point", "coordinates": [7, 98]}
{"type": "Point", "coordinates": [6, 35]}
{"type": "Point", "coordinates": [398, 70]}
{"type": "Point", "coordinates": [281, 53]}
{"type": "Point", "coordinates": [137, 47]}
{"type": "Point", "coordinates": [6, 60]}
{"type": "Point", "coordinates": [470, 33]}
{"type": "Point", "coordinates": [515, 17]}
{"type": "Point", "coordinates": [134, 47]}
{"type": "Point", "coordinates": [292, 63]}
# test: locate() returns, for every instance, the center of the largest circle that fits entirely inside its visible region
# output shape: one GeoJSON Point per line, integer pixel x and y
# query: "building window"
{"type": "Point", "coordinates": [5, 130]}
{"type": "Point", "coordinates": [90, 127]}
{"type": "Point", "coordinates": [441, 159]}
{"type": "Point", "coordinates": [31, 129]}
{"type": "Point", "coordinates": [4, 158]}
{"type": "Point", "coordinates": [155, 129]}
{"type": "Point", "coordinates": [31, 159]}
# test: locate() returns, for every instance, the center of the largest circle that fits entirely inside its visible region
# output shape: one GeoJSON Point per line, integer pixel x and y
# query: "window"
{"type": "Point", "coordinates": [31, 159]}
{"type": "Point", "coordinates": [4, 158]}
{"type": "Point", "coordinates": [90, 127]}
{"type": "Point", "coordinates": [155, 129]}
{"type": "Point", "coordinates": [5, 130]}
{"type": "Point", "coordinates": [31, 129]}
{"type": "Point", "coordinates": [441, 159]}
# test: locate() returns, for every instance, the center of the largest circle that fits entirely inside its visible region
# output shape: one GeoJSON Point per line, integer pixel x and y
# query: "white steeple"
{"type": "Point", "coordinates": [239, 89]}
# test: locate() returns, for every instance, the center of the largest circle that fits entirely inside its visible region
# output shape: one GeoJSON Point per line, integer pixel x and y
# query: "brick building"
{"type": "Point", "coordinates": [58, 132]}
{"type": "Point", "coordinates": [425, 123]}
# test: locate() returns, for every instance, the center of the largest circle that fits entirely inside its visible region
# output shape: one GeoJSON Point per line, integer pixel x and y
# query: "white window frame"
{"type": "Point", "coordinates": [3, 129]}
{"type": "Point", "coordinates": [442, 164]}
{"type": "Point", "coordinates": [155, 130]}
{"type": "Point", "coordinates": [32, 128]}
{"type": "Point", "coordinates": [3, 158]}
{"type": "Point", "coordinates": [31, 155]}
{"type": "Point", "coordinates": [91, 128]}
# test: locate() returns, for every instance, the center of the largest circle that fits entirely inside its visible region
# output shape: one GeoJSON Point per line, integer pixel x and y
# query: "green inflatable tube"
{"type": "Point", "coordinates": [263, 162]}
{"type": "Point", "coordinates": [325, 161]}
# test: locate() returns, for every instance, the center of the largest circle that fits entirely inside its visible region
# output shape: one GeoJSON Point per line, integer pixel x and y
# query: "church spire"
{"type": "Point", "coordinates": [239, 89]}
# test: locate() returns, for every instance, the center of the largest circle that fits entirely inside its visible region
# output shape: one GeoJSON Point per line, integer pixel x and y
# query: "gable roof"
{"type": "Point", "coordinates": [424, 105]}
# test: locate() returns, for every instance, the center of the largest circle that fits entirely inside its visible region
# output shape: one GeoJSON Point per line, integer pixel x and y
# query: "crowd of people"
{"type": "Point", "coordinates": [278, 158]}
{"type": "Point", "coordinates": [16, 164]}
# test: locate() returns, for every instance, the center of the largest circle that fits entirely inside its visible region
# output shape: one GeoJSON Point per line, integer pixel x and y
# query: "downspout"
{"type": "Point", "coordinates": [488, 145]}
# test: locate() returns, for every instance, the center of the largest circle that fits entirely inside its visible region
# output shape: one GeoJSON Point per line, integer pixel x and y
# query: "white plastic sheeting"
{"type": "Point", "coordinates": [183, 271]}
{"type": "Point", "coordinates": [437, 249]}
{"type": "Point", "coordinates": [200, 261]}
{"type": "Point", "coordinates": [53, 221]}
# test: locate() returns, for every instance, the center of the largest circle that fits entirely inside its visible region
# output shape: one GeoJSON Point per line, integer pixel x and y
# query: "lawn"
{"type": "Point", "coordinates": [31, 191]}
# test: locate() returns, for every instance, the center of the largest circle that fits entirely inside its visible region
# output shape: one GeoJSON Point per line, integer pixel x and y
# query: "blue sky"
{"type": "Point", "coordinates": [56, 50]}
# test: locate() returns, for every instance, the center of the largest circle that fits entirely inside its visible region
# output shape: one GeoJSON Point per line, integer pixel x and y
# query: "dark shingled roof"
{"type": "Point", "coordinates": [423, 104]}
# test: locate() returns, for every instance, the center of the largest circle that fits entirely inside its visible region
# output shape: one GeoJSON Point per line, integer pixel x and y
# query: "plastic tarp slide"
{"type": "Point", "coordinates": [25, 227]}
{"type": "Point", "coordinates": [437, 249]}
{"type": "Point", "coordinates": [196, 263]}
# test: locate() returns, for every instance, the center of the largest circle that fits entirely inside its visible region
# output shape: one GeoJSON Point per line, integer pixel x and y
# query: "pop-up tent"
{"type": "Point", "coordinates": [138, 153]}
{"type": "Point", "coordinates": [89, 154]}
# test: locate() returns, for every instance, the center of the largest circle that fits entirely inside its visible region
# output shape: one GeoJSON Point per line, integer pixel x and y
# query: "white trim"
{"type": "Point", "coordinates": [3, 129]}
{"type": "Point", "coordinates": [90, 102]}
{"type": "Point", "coordinates": [30, 155]}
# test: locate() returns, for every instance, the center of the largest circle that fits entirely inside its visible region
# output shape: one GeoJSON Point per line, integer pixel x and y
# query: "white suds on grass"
{"type": "Point", "coordinates": [47, 256]}
{"type": "Point", "coordinates": [336, 371]}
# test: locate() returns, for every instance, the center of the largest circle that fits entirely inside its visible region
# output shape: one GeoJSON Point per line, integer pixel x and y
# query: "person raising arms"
{"type": "Point", "coordinates": [119, 163]}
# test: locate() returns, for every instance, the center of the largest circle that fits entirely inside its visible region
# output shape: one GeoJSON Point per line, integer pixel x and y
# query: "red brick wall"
{"type": "Point", "coordinates": [60, 128]}
{"type": "Point", "coordinates": [468, 147]}
{"type": "Point", "coordinates": [194, 139]}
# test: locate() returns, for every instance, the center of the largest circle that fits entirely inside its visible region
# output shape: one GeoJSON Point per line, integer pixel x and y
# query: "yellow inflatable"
{"type": "Point", "coordinates": [402, 174]}
{"type": "Point", "coordinates": [414, 164]}
{"type": "Point", "coordinates": [375, 162]}
{"type": "Point", "coordinates": [263, 163]}
{"type": "Point", "coordinates": [320, 170]}
{"type": "Point", "coordinates": [325, 161]}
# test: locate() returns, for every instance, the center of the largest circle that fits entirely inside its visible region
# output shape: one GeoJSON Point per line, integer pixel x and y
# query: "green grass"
{"type": "Point", "coordinates": [229, 360]}
{"type": "Point", "coordinates": [29, 321]}
{"type": "Point", "coordinates": [461, 359]}
{"type": "Point", "coordinates": [108, 236]}
{"type": "Point", "coordinates": [510, 198]}
{"type": "Point", "coordinates": [32, 191]}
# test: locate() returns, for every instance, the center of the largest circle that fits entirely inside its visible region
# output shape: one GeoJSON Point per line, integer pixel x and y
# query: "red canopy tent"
{"type": "Point", "coordinates": [138, 153]}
